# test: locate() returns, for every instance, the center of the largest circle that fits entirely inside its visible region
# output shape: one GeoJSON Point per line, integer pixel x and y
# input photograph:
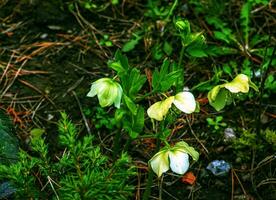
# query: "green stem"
{"type": "Point", "coordinates": [150, 175]}
{"type": "Point", "coordinates": [171, 10]}
{"type": "Point", "coordinates": [180, 80]}
{"type": "Point", "coordinates": [160, 187]}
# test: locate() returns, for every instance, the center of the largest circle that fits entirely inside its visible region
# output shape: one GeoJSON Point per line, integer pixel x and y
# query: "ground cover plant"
{"type": "Point", "coordinates": [137, 99]}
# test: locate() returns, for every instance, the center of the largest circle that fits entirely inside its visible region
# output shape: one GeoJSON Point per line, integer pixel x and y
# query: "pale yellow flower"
{"type": "Point", "coordinates": [108, 92]}
{"type": "Point", "coordinates": [184, 101]}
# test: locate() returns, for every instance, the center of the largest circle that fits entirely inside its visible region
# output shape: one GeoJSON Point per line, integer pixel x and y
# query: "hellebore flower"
{"type": "Point", "coordinates": [160, 162]}
{"type": "Point", "coordinates": [184, 101]}
{"type": "Point", "coordinates": [108, 92]}
{"type": "Point", "coordinates": [176, 158]}
{"type": "Point", "coordinates": [220, 95]}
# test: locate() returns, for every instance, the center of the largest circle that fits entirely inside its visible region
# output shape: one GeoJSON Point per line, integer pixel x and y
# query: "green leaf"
{"type": "Point", "coordinates": [167, 48]}
{"type": "Point", "coordinates": [157, 52]}
{"type": "Point", "coordinates": [163, 80]}
{"type": "Point", "coordinates": [183, 146]}
{"type": "Point", "coordinates": [221, 36]}
{"type": "Point", "coordinates": [119, 57]}
{"type": "Point", "coordinates": [138, 120]}
{"type": "Point", "coordinates": [221, 100]}
{"type": "Point", "coordinates": [245, 20]}
{"type": "Point", "coordinates": [130, 104]}
{"type": "Point", "coordinates": [133, 134]}
{"type": "Point", "coordinates": [36, 133]}
{"type": "Point", "coordinates": [131, 44]}
{"type": "Point", "coordinates": [136, 82]}
{"type": "Point", "coordinates": [116, 66]}
{"type": "Point", "coordinates": [196, 52]}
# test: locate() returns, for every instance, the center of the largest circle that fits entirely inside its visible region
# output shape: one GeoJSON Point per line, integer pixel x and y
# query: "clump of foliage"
{"type": "Point", "coordinates": [80, 172]}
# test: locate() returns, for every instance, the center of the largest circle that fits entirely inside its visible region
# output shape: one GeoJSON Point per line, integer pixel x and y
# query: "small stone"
{"type": "Point", "coordinates": [229, 135]}
{"type": "Point", "coordinates": [219, 167]}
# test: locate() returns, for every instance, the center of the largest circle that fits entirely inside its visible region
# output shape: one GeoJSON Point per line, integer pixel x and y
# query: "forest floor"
{"type": "Point", "coordinates": [49, 56]}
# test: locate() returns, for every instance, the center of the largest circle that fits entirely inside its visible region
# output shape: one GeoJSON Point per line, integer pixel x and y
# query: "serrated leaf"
{"type": "Point", "coordinates": [119, 57]}
{"type": "Point", "coordinates": [163, 80]}
{"type": "Point", "coordinates": [136, 80]}
{"type": "Point", "coordinates": [130, 104]}
{"type": "Point", "coordinates": [116, 66]}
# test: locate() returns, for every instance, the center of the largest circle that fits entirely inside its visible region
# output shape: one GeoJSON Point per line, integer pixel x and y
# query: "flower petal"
{"type": "Point", "coordinates": [93, 91]}
{"type": "Point", "coordinates": [159, 109]}
{"type": "Point", "coordinates": [238, 84]}
{"type": "Point", "coordinates": [117, 100]}
{"type": "Point", "coordinates": [160, 163]}
{"type": "Point", "coordinates": [185, 101]}
{"type": "Point", "coordinates": [179, 161]}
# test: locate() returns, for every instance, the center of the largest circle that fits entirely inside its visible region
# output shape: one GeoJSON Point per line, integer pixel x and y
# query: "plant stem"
{"type": "Point", "coordinates": [150, 175]}
{"type": "Point", "coordinates": [171, 10]}
{"type": "Point", "coordinates": [180, 80]}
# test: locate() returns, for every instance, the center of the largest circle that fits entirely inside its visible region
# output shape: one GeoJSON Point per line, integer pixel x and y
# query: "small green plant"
{"type": "Point", "coordinates": [79, 171]}
{"type": "Point", "coordinates": [216, 124]}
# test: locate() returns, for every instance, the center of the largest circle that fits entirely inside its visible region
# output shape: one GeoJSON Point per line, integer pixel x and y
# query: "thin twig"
{"type": "Point", "coordinates": [196, 136]}
{"type": "Point", "coordinates": [13, 80]}
{"type": "Point", "coordinates": [82, 114]}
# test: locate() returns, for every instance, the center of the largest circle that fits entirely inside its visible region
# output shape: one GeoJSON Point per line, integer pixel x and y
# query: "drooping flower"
{"type": "Point", "coordinates": [184, 101]}
{"type": "Point", "coordinates": [220, 95]}
{"type": "Point", "coordinates": [160, 163]}
{"type": "Point", "coordinates": [176, 158]}
{"type": "Point", "coordinates": [108, 92]}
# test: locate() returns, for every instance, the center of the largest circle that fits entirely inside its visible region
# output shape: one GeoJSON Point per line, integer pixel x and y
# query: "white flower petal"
{"type": "Point", "coordinates": [117, 100]}
{"type": "Point", "coordinates": [160, 163]}
{"type": "Point", "coordinates": [185, 101]}
{"type": "Point", "coordinates": [93, 91]}
{"type": "Point", "coordinates": [179, 161]}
